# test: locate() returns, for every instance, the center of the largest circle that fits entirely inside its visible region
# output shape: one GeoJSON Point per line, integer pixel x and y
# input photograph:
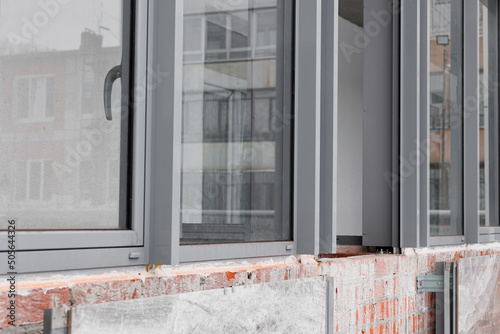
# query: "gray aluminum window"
{"type": "Point", "coordinates": [446, 139]}
{"type": "Point", "coordinates": [449, 122]}
{"type": "Point", "coordinates": [489, 212]}
{"type": "Point", "coordinates": [71, 178]}
{"type": "Point", "coordinates": [237, 171]}
{"type": "Point", "coordinates": [126, 199]}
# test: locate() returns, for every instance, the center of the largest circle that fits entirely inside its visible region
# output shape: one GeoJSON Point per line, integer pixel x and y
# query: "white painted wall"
{"type": "Point", "coordinates": [350, 143]}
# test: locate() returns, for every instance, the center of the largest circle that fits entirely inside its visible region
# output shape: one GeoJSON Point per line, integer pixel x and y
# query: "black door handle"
{"type": "Point", "coordinates": [113, 74]}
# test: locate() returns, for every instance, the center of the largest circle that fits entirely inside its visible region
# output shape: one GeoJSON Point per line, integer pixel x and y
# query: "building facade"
{"type": "Point", "coordinates": [159, 147]}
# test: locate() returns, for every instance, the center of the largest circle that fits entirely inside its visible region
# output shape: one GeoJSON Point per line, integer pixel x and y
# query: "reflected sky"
{"type": "Point", "coordinates": [56, 25]}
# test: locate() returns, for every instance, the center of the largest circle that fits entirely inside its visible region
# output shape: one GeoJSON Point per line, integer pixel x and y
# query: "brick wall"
{"type": "Point", "coordinates": [375, 293]}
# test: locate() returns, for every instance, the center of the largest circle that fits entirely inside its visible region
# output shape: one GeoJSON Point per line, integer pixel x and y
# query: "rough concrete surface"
{"type": "Point", "coordinates": [294, 306]}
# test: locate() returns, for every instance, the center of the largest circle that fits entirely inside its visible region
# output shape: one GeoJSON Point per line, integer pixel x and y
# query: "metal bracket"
{"type": "Point", "coordinates": [432, 283]}
{"type": "Point", "coordinates": [55, 320]}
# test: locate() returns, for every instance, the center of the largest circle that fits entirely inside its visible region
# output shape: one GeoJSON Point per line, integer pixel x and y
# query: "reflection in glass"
{"type": "Point", "coordinates": [59, 157]}
{"type": "Point", "coordinates": [445, 187]}
{"type": "Point", "coordinates": [488, 117]}
{"type": "Point", "coordinates": [236, 131]}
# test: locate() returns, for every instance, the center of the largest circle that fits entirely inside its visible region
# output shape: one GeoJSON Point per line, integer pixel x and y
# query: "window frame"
{"type": "Point", "coordinates": [165, 196]}
{"type": "Point", "coordinates": [492, 233]}
{"type": "Point", "coordinates": [80, 249]}
{"type": "Point", "coordinates": [154, 238]}
{"type": "Point", "coordinates": [414, 111]}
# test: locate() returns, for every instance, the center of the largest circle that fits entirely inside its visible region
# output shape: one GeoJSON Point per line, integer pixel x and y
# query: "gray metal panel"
{"type": "Point", "coordinates": [31, 262]}
{"type": "Point", "coordinates": [446, 240]}
{"type": "Point", "coordinates": [377, 125]}
{"type": "Point", "coordinates": [494, 133]}
{"type": "Point", "coordinates": [330, 305]}
{"type": "Point", "coordinates": [193, 253]}
{"type": "Point", "coordinates": [440, 319]}
{"type": "Point", "coordinates": [36, 240]}
{"type": "Point", "coordinates": [424, 164]}
{"type": "Point", "coordinates": [284, 106]}
{"type": "Point", "coordinates": [471, 121]}
{"type": "Point", "coordinates": [489, 238]}
{"type": "Point", "coordinates": [447, 298]}
{"type": "Point", "coordinates": [489, 230]}
{"type": "Point", "coordinates": [127, 115]}
{"type": "Point", "coordinates": [140, 199]}
{"type": "Point", "coordinates": [456, 140]}
{"type": "Point", "coordinates": [410, 122]}
{"type": "Point", "coordinates": [307, 126]}
{"type": "Point", "coordinates": [396, 23]}
{"type": "Point", "coordinates": [329, 127]}
{"type": "Point", "coordinates": [166, 24]}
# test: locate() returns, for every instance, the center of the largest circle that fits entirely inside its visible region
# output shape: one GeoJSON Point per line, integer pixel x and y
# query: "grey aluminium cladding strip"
{"type": "Point", "coordinates": [409, 123]}
{"type": "Point", "coordinates": [424, 165]}
{"type": "Point", "coordinates": [471, 121]}
{"type": "Point", "coordinates": [307, 126]}
{"type": "Point", "coordinates": [165, 102]}
{"type": "Point", "coordinates": [329, 127]}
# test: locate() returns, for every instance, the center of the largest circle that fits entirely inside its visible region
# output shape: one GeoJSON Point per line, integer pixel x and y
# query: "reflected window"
{"type": "Point", "coordinates": [34, 97]}
{"type": "Point", "coordinates": [236, 166]}
{"type": "Point", "coordinates": [446, 123]}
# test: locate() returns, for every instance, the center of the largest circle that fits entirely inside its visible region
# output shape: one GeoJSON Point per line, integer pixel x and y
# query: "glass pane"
{"type": "Point", "coordinates": [446, 124]}
{"type": "Point", "coordinates": [488, 117]}
{"type": "Point", "coordinates": [55, 143]}
{"type": "Point", "coordinates": [216, 32]}
{"type": "Point", "coordinates": [266, 29]}
{"type": "Point", "coordinates": [240, 30]}
{"type": "Point", "coordinates": [236, 133]}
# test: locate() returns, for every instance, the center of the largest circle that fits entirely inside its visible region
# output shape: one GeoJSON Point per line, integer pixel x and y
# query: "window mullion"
{"type": "Point", "coordinates": [471, 121]}
{"type": "Point", "coordinates": [307, 126]}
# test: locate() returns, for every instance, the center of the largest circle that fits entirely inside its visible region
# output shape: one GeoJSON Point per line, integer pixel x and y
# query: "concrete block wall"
{"type": "Point", "coordinates": [374, 293]}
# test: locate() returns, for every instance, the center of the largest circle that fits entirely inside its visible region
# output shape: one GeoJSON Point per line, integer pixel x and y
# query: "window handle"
{"type": "Point", "coordinates": [113, 74]}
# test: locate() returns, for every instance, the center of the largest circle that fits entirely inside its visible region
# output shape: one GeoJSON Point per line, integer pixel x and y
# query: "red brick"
{"type": "Point", "coordinates": [341, 320]}
{"type": "Point", "coordinates": [379, 289]}
{"type": "Point", "coordinates": [380, 329]}
{"type": "Point", "coordinates": [29, 308]}
{"type": "Point", "coordinates": [386, 265]}
{"type": "Point", "coordinates": [382, 310]}
{"type": "Point", "coordinates": [364, 315]}
{"type": "Point", "coordinates": [3, 306]}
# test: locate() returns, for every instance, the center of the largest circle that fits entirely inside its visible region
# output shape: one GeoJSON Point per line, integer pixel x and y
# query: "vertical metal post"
{"type": "Point", "coordinates": [471, 121]}
{"type": "Point", "coordinates": [447, 299]}
{"type": "Point", "coordinates": [410, 124]}
{"type": "Point", "coordinates": [424, 165]}
{"type": "Point", "coordinates": [164, 147]}
{"type": "Point", "coordinates": [307, 126]}
{"type": "Point", "coordinates": [379, 180]}
{"type": "Point", "coordinates": [330, 305]}
{"type": "Point", "coordinates": [329, 127]}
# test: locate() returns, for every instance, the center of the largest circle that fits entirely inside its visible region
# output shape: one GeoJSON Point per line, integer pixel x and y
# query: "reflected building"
{"type": "Point", "coordinates": [445, 129]}
{"type": "Point", "coordinates": [59, 158]}
{"type": "Point", "coordinates": [233, 124]}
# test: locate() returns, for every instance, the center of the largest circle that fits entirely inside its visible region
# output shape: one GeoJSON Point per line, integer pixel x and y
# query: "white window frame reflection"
{"type": "Point", "coordinates": [255, 51]}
